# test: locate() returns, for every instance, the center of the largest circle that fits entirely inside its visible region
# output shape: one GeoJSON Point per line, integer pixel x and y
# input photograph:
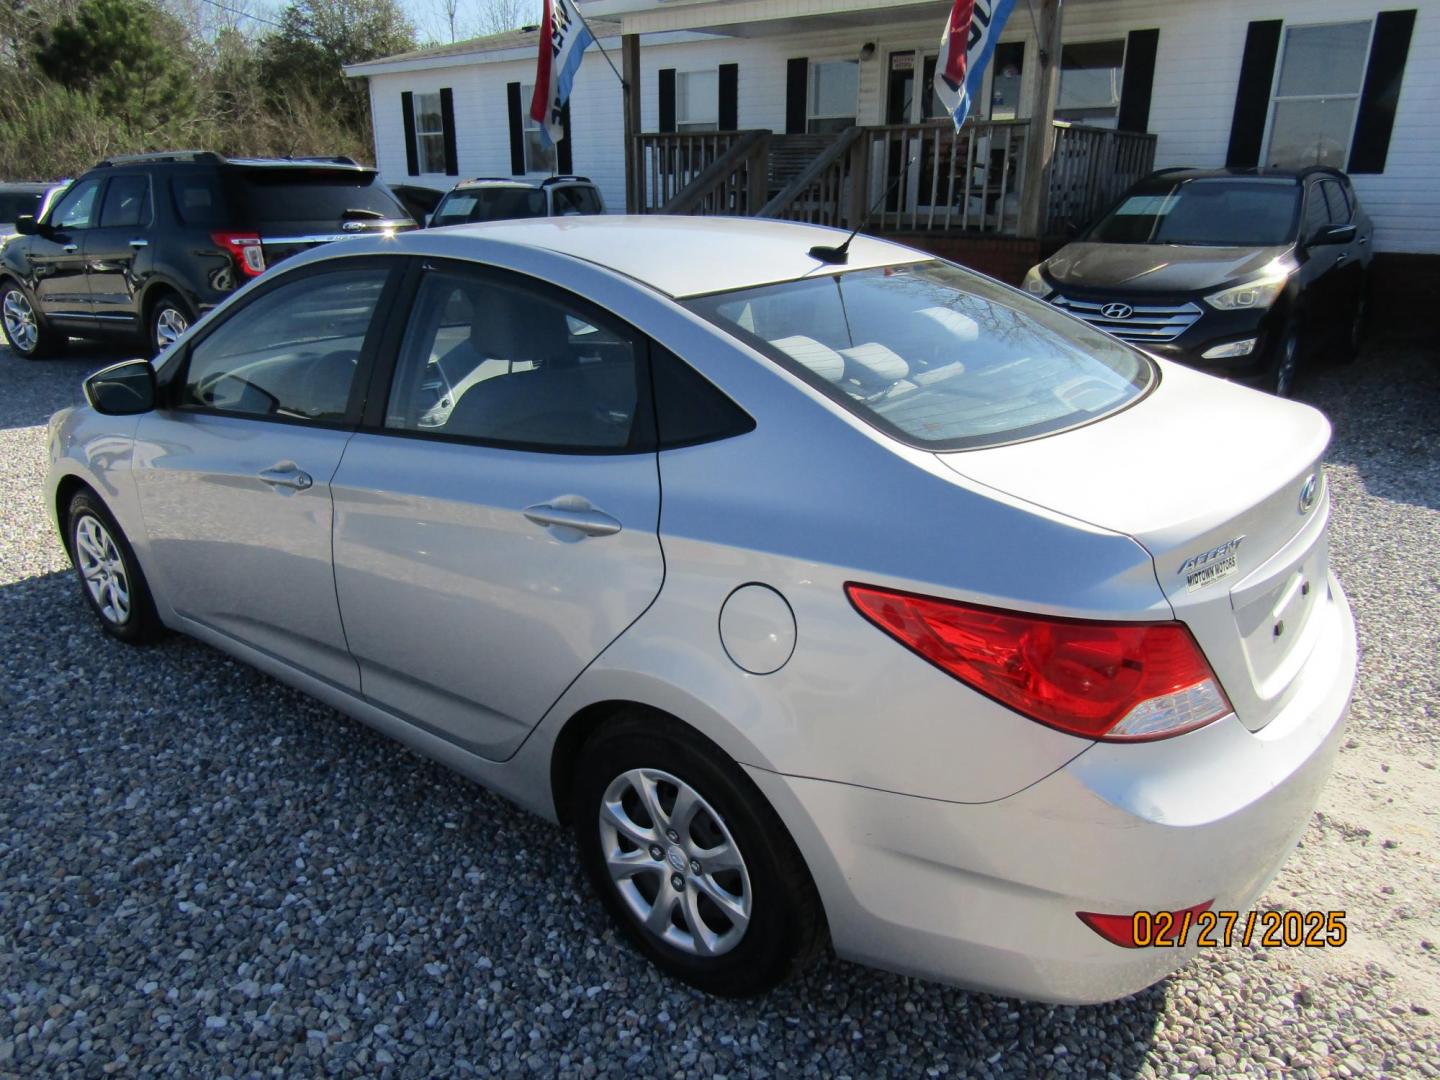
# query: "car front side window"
{"type": "Point", "coordinates": [497, 363]}
{"type": "Point", "coordinates": [291, 353]}
{"type": "Point", "coordinates": [77, 209]}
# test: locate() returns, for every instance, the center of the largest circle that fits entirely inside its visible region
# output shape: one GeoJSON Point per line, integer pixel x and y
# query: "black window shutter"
{"type": "Point", "coordinates": [565, 159]}
{"type": "Point", "coordinates": [729, 115]}
{"type": "Point", "coordinates": [797, 72]}
{"type": "Point", "coordinates": [517, 130]}
{"type": "Point", "coordinates": [1139, 80]}
{"type": "Point", "coordinates": [1252, 95]}
{"type": "Point", "coordinates": [666, 82]}
{"type": "Point", "coordinates": [412, 154]}
{"type": "Point", "coordinates": [447, 125]}
{"type": "Point", "coordinates": [1389, 49]}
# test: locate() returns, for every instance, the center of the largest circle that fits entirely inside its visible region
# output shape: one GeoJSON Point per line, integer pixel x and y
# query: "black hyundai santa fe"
{"type": "Point", "coordinates": [1240, 272]}
{"type": "Point", "coordinates": [139, 247]}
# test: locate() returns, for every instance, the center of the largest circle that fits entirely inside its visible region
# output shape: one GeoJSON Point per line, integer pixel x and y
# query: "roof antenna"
{"type": "Point", "coordinates": [840, 254]}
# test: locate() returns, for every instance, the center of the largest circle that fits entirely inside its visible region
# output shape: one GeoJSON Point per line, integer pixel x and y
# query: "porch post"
{"type": "Point", "coordinates": [630, 64]}
{"type": "Point", "coordinates": [1040, 142]}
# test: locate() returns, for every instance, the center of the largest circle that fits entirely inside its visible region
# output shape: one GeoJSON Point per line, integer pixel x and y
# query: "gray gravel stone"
{"type": "Point", "coordinates": [203, 873]}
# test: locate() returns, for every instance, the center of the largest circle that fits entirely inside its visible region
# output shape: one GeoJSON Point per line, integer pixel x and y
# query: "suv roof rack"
{"type": "Point", "coordinates": [564, 180]}
{"type": "Point", "coordinates": [211, 157]}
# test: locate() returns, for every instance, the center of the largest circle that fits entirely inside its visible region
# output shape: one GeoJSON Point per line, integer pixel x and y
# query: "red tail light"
{"type": "Point", "coordinates": [1123, 682]}
{"type": "Point", "coordinates": [1169, 928]}
{"type": "Point", "coordinates": [245, 249]}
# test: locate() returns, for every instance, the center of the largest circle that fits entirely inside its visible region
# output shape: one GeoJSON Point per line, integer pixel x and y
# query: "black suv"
{"type": "Point", "coordinates": [1240, 272]}
{"type": "Point", "coordinates": [140, 247]}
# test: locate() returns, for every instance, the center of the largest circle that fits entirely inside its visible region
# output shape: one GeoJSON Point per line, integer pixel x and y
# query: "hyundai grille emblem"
{"type": "Point", "coordinates": [1117, 311]}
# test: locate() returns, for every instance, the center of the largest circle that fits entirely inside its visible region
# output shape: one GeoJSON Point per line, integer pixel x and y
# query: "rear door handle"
{"type": "Point", "coordinates": [287, 474]}
{"type": "Point", "coordinates": [580, 516]}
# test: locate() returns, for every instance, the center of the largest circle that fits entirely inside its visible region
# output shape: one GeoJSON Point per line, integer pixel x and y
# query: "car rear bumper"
{"type": "Point", "coordinates": [986, 895]}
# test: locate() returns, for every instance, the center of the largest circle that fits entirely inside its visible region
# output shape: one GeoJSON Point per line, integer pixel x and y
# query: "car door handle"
{"type": "Point", "coordinates": [287, 475]}
{"type": "Point", "coordinates": [70, 249]}
{"type": "Point", "coordinates": [139, 243]}
{"type": "Point", "coordinates": [587, 520]}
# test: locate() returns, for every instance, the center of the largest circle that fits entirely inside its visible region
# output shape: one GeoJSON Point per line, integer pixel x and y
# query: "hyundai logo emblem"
{"type": "Point", "coordinates": [1117, 311]}
{"type": "Point", "coordinates": [1309, 492]}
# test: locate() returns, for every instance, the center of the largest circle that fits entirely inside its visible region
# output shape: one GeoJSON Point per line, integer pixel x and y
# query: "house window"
{"type": "Point", "coordinates": [539, 151]}
{"type": "Point", "coordinates": [1009, 67]}
{"type": "Point", "coordinates": [1312, 112]}
{"type": "Point", "coordinates": [834, 92]}
{"type": "Point", "coordinates": [429, 133]}
{"type": "Point", "coordinates": [697, 100]}
{"type": "Point", "coordinates": [1090, 76]}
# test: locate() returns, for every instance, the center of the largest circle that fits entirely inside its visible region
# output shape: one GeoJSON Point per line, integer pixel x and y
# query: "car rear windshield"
{"type": "Point", "coordinates": [934, 355]}
{"type": "Point", "coordinates": [15, 203]}
{"type": "Point", "coordinates": [287, 195]}
{"type": "Point", "coordinates": [1205, 212]}
{"type": "Point", "coordinates": [489, 204]}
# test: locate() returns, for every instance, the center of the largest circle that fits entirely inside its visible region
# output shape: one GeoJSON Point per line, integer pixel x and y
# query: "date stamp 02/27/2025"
{"type": "Point", "coordinates": [1206, 929]}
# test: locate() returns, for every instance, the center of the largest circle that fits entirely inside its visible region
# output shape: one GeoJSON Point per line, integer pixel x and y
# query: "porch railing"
{"type": "Point", "coordinates": [901, 177]}
{"type": "Point", "coordinates": [1091, 168]}
{"type": "Point", "coordinates": [733, 184]}
{"type": "Point", "coordinates": [668, 162]}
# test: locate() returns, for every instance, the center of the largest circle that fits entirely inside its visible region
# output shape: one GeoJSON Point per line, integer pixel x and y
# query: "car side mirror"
{"type": "Point", "coordinates": [26, 225]}
{"type": "Point", "coordinates": [1333, 234]}
{"type": "Point", "coordinates": [123, 389]}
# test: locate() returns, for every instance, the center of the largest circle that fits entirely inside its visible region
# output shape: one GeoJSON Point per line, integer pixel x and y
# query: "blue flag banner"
{"type": "Point", "coordinates": [965, 49]}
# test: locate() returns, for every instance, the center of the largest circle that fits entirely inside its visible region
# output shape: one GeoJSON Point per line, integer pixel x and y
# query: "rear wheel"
{"type": "Point", "coordinates": [690, 860]}
{"type": "Point", "coordinates": [110, 576]}
{"type": "Point", "coordinates": [27, 331]}
{"type": "Point", "coordinates": [170, 317]}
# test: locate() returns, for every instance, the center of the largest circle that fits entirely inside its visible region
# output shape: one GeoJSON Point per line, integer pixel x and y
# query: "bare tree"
{"type": "Point", "coordinates": [498, 16]}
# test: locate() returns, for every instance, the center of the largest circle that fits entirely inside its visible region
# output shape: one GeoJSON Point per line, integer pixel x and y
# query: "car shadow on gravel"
{"type": "Point", "coordinates": [183, 837]}
{"type": "Point", "coordinates": [1385, 410]}
{"type": "Point", "coordinates": [29, 391]}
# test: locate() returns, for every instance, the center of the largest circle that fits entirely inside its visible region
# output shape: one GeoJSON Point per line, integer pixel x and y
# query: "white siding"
{"type": "Point", "coordinates": [1197, 69]}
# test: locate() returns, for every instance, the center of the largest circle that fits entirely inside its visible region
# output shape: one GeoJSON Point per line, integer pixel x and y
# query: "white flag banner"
{"type": "Point", "coordinates": [965, 48]}
{"type": "Point", "coordinates": [564, 37]}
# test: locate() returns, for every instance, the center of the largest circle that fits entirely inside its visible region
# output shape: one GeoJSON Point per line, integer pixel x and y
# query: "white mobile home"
{"type": "Point", "coordinates": [813, 109]}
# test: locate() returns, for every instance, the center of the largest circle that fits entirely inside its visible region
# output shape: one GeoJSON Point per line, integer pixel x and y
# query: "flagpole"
{"type": "Point", "coordinates": [596, 38]}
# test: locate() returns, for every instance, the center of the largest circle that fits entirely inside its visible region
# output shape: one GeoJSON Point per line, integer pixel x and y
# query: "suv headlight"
{"type": "Point", "coordinates": [1035, 283]}
{"type": "Point", "coordinates": [1260, 293]}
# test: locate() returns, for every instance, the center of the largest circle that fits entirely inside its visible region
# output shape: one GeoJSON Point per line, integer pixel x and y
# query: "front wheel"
{"type": "Point", "coordinates": [691, 861]}
{"type": "Point", "coordinates": [110, 576]}
{"type": "Point", "coordinates": [26, 330]}
{"type": "Point", "coordinates": [1285, 363]}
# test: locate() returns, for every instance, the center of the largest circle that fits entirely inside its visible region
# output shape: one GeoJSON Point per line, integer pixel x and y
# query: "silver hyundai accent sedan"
{"type": "Point", "coordinates": [829, 592]}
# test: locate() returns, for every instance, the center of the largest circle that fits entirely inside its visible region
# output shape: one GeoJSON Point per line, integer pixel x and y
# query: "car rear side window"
{"type": "Point", "coordinates": [936, 356]}
{"type": "Point", "coordinates": [688, 407]}
{"type": "Point", "coordinates": [127, 202]}
{"type": "Point", "coordinates": [575, 200]}
{"type": "Point", "coordinates": [291, 353]}
{"type": "Point", "coordinates": [200, 201]}
{"type": "Point", "coordinates": [497, 363]}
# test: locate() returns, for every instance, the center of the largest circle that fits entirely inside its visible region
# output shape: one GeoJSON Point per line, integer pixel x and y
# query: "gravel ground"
{"type": "Point", "coordinates": [203, 873]}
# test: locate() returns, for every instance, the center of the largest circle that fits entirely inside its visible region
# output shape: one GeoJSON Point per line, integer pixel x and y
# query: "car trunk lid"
{"type": "Point", "coordinates": [1223, 487]}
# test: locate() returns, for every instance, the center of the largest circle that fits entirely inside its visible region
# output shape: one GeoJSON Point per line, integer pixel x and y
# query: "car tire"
{"type": "Point", "coordinates": [754, 870]}
{"type": "Point", "coordinates": [110, 576]}
{"type": "Point", "coordinates": [1359, 324]}
{"type": "Point", "coordinates": [27, 332]}
{"type": "Point", "coordinates": [169, 317]}
{"type": "Point", "coordinates": [1284, 362]}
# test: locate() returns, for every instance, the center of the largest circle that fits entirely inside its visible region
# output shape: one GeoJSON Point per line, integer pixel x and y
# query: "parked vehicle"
{"type": "Point", "coordinates": [419, 200]}
{"type": "Point", "coordinates": [1240, 272]}
{"type": "Point", "coordinates": [17, 199]}
{"type": "Point", "coordinates": [484, 199]}
{"type": "Point", "coordinates": [959, 635]}
{"type": "Point", "coordinates": [138, 247]}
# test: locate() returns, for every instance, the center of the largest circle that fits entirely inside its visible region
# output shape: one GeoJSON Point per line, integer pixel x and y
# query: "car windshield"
{"type": "Point", "coordinates": [489, 204]}
{"type": "Point", "coordinates": [934, 355]}
{"type": "Point", "coordinates": [1204, 212]}
{"type": "Point", "coordinates": [15, 203]}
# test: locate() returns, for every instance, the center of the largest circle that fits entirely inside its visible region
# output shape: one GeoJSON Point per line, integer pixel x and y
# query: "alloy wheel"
{"type": "Point", "coordinates": [20, 321]}
{"type": "Point", "coordinates": [1285, 369]}
{"type": "Point", "coordinates": [674, 862]}
{"type": "Point", "coordinates": [102, 569]}
{"type": "Point", "coordinates": [170, 323]}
